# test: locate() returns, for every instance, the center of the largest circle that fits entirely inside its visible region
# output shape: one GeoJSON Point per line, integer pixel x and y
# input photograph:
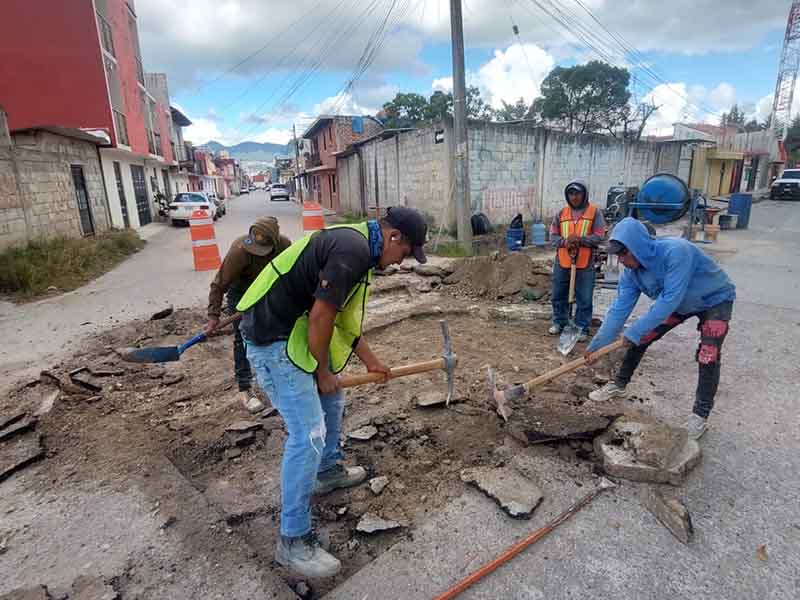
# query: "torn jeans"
{"type": "Point", "coordinates": [314, 423]}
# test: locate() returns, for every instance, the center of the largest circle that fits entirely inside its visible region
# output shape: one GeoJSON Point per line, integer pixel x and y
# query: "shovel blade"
{"type": "Point", "coordinates": [569, 339]}
{"type": "Point", "coordinates": [150, 355]}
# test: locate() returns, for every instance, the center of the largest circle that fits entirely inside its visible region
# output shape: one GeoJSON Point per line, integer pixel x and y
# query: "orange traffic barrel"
{"type": "Point", "coordinates": [313, 217]}
{"type": "Point", "coordinates": [204, 242]}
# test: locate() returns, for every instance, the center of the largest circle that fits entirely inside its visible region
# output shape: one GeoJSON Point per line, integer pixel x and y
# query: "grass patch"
{"type": "Point", "coordinates": [65, 263]}
{"type": "Point", "coordinates": [345, 219]}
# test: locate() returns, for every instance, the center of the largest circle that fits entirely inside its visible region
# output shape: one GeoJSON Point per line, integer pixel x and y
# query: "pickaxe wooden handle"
{"type": "Point", "coordinates": [423, 367]}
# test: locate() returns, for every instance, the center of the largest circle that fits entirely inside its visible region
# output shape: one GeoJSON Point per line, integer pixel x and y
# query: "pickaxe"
{"type": "Point", "coordinates": [447, 363]}
{"type": "Point", "coordinates": [501, 398]}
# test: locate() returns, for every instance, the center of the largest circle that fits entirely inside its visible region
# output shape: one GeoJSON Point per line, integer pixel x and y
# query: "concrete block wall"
{"type": "Point", "coordinates": [37, 194]}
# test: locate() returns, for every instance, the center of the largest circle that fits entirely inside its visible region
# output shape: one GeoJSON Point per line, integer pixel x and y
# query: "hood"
{"type": "Point", "coordinates": [582, 185]}
{"type": "Point", "coordinates": [637, 239]}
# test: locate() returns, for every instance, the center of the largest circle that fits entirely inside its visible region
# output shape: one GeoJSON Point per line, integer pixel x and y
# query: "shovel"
{"type": "Point", "coordinates": [571, 333]}
{"type": "Point", "coordinates": [159, 354]}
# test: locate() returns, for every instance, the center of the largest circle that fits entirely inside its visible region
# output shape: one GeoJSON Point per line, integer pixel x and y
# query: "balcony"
{"type": "Point", "coordinates": [313, 160]}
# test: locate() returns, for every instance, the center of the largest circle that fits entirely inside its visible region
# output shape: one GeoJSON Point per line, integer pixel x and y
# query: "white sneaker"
{"type": "Point", "coordinates": [696, 426]}
{"type": "Point", "coordinates": [607, 392]}
{"type": "Point", "coordinates": [251, 402]}
{"type": "Point", "coordinates": [555, 329]}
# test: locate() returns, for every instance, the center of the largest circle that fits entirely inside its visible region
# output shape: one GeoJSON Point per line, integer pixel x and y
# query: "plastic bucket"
{"type": "Point", "coordinates": [740, 204]}
{"type": "Point", "coordinates": [514, 238]}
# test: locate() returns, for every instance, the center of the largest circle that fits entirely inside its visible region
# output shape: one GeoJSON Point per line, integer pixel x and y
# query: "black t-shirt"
{"type": "Point", "coordinates": [332, 263]}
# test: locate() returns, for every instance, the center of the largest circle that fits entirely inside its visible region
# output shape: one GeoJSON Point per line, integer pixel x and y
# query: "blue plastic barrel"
{"type": "Point", "coordinates": [538, 231]}
{"type": "Point", "coordinates": [740, 205]}
{"type": "Point", "coordinates": [514, 239]}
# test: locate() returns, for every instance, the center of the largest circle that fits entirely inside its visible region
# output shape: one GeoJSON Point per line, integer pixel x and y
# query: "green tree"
{"type": "Point", "coordinates": [733, 118]}
{"type": "Point", "coordinates": [439, 106]}
{"type": "Point", "coordinates": [406, 110]}
{"type": "Point", "coordinates": [584, 98]}
{"type": "Point", "coordinates": [513, 112]}
{"type": "Point", "coordinates": [477, 108]}
{"type": "Point", "coordinates": [792, 140]}
{"type": "Point", "coordinates": [754, 125]}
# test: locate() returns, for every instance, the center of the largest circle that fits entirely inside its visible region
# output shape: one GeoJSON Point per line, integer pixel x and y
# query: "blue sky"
{"type": "Point", "coordinates": [711, 54]}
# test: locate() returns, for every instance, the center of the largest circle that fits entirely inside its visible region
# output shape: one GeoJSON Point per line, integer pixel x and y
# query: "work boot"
{"type": "Point", "coordinates": [338, 477]}
{"type": "Point", "coordinates": [607, 392]}
{"type": "Point", "coordinates": [696, 426]}
{"type": "Point", "coordinates": [250, 401]}
{"type": "Point", "coordinates": [305, 556]}
{"type": "Point", "coordinates": [555, 329]}
{"type": "Point", "coordinates": [583, 336]}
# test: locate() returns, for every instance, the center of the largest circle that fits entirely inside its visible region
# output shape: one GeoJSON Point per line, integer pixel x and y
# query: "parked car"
{"type": "Point", "coordinates": [185, 203]}
{"type": "Point", "coordinates": [787, 186]}
{"type": "Point", "coordinates": [244, 190]}
{"type": "Point", "coordinates": [278, 191]}
{"type": "Point", "coordinates": [252, 188]}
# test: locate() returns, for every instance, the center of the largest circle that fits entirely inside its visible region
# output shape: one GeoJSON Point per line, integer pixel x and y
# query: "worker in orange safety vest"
{"type": "Point", "coordinates": [576, 231]}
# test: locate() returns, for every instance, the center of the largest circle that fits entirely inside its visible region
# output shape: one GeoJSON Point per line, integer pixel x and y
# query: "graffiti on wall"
{"type": "Point", "coordinates": [503, 202]}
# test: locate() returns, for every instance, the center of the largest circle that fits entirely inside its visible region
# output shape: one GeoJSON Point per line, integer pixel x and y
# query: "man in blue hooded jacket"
{"type": "Point", "coordinates": [685, 283]}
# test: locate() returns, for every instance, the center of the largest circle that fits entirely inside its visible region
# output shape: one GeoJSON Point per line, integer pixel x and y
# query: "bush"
{"type": "Point", "coordinates": [65, 263]}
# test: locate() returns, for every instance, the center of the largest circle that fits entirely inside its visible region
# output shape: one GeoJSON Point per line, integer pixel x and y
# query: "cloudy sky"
{"type": "Point", "coordinates": [250, 69]}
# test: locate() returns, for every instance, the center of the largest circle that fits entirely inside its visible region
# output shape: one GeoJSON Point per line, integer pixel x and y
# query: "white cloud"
{"type": "Point", "coordinates": [342, 104]}
{"type": "Point", "coordinates": [273, 135]}
{"type": "Point", "coordinates": [203, 130]}
{"type": "Point", "coordinates": [443, 84]}
{"type": "Point", "coordinates": [516, 73]}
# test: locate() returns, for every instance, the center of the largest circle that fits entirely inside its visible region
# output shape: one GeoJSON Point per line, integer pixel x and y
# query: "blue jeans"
{"type": "Point", "coordinates": [314, 423]}
{"type": "Point", "coordinates": [584, 290]}
{"type": "Point", "coordinates": [241, 366]}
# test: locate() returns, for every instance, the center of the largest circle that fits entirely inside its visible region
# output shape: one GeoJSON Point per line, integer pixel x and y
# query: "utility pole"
{"type": "Point", "coordinates": [297, 165]}
{"type": "Point", "coordinates": [460, 158]}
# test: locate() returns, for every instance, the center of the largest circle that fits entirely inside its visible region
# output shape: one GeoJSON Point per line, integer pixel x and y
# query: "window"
{"type": "Point", "coordinates": [105, 35]}
{"type": "Point", "coordinates": [332, 183]}
{"type": "Point", "coordinates": [358, 125]}
{"type": "Point", "coordinates": [114, 87]}
{"type": "Point", "coordinates": [123, 203]}
{"type": "Point", "coordinates": [135, 36]}
{"type": "Point", "coordinates": [121, 126]}
{"type": "Point", "coordinates": [324, 142]}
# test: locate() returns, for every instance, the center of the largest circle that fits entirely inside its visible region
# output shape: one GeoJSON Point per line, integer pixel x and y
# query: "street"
{"type": "Point", "coordinates": [159, 276]}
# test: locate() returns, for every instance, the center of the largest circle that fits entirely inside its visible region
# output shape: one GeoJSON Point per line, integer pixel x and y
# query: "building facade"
{"type": "Point", "coordinates": [84, 70]}
{"type": "Point", "coordinates": [329, 135]}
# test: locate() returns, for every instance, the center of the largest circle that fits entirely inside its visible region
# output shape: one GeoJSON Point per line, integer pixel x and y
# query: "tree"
{"type": "Point", "coordinates": [754, 125]}
{"type": "Point", "coordinates": [733, 118]}
{"type": "Point", "coordinates": [582, 99]}
{"type": "Point", "coordinates": [477, 108]}
{"type": "Point", "coordinates": [513, 112]}
{"type": "Point", "coordinates": [792, 140]}
{"type": "Point", "coordinates": [439, 106]}
{"type": "Point", "coordinates": [406, 110]}
{"type": "Point", "coordinates": [628, 122]}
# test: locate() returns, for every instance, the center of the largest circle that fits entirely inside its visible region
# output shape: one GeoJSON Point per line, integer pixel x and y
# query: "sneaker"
{"type": "Point", "coordinates": [338, 477]}
{"type": "Point", "coordinates": [607, 392]}
{"type": "Point", "coordinates": [696, 426]}
{"type": "Point", "coordinates": [555, 329]}
{"type": "Point", "coordinates": [305, 556]}
{"type": "Point", "coordinates": [251, 402]}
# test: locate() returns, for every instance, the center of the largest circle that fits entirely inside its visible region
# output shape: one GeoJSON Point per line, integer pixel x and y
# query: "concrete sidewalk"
{"type": "Point", "coordinates": [162, 274]}
{"type": "Point", "coordinates": [743, 494]}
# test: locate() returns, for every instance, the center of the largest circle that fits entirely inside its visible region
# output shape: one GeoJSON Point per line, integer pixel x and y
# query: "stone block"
{"type": "Point", "coordinates": [671, 513]}
{"type": "Point", "coordinates": [515, 493]}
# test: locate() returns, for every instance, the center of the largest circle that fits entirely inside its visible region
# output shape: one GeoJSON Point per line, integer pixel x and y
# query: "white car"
{"type": "Point", "coordinates": [185, 203]}
{"type": "Point", "coordinates": [787, 186]}
{"type": "Point", "coordinates": [278, 191]}
{"type": "Point", "coordinates": [244, 189]}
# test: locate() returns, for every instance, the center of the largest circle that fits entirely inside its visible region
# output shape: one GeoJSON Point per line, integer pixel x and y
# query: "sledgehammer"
{"type": "Point", "coordinates": [501, 398]}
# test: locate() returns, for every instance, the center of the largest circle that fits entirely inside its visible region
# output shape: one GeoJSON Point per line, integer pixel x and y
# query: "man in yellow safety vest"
{"type": "Point", "coordinates": [302, 321]}
{"type": "Point", "coordinates": [575, 232]}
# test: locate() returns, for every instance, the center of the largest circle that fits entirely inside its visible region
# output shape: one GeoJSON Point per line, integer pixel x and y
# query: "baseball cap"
{"type": "Point", "coordinates": [413, 227]}
{"type": "Point", "coordinates": [574, 187]}
{"type": "Point", "coordinates": [615, 247]}
{"type": "Point", "coordinates": [262, 235]}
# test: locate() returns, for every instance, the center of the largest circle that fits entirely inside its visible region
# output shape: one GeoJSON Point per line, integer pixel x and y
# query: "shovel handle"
{"type": "Point", "coordinates": [571, 366]}
{"type": "Point", "coordinates": [572, 274]}
{"type": "Point", "coordinates": [423, 367]}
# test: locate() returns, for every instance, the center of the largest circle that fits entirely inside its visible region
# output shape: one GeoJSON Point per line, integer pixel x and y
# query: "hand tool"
{"type": "Point", "coordinates": [524, 543]}
{"type": "Point", "coordinates": [518, 391]}
{"type": "Point", "coordinates": [571, 333]}
{"type": "Point", "coordinates": [447, 363]}
{"type": "Point", "coordinates": [157, 354]}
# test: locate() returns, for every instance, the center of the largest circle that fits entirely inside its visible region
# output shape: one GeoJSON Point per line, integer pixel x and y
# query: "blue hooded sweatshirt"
{"type": "Point", "coordinates": [679, 277]}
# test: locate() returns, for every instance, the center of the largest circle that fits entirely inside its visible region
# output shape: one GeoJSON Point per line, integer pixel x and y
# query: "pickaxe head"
{"type": "Point", "coordinates": [450, 361]}
{"type": "Point", "coordinates": [502, 398]}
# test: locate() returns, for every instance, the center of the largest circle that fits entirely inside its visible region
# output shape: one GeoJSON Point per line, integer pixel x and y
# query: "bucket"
{"type": "Point", "coordinates": [740, 205]}
{"type": "Point", "coordinates": [514, 238]}
{"type": "Point", "coordinates": [538, 231]}
{"type": "Point", "coordinates": [728, 221]}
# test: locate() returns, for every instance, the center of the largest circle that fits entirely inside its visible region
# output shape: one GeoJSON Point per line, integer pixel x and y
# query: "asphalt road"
{"type": "Point", "coordinates": [35, 334]}
{"type": "Point", "coordinates": [744, 494]}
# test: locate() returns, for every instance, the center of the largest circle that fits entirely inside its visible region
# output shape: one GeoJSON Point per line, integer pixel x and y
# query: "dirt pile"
{"type": "Point", "coordinates": [497, 277]}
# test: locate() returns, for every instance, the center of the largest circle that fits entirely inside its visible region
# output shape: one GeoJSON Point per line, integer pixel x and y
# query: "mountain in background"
{"type": "Point", "coordinates": [252, 151]}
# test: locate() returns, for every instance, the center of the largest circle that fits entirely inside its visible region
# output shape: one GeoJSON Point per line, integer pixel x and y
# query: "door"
{"type": "Point", "coordinates": [82, 196]}
{"type": "Point", "coordinates": [165, 177]}
{"type": "Point", "coordinates": [140, 193]}
{"type": "Point", "coordinates": [123, 203]}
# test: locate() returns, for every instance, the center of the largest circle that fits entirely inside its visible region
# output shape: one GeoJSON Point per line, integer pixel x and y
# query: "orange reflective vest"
{"type": "Point", "coordinates": [582, 227]}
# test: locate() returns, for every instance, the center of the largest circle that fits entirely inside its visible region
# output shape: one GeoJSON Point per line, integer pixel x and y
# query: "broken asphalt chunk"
{"type": "Point", "coordinates": [378, 484]}
{"type": "Point", "coordinates": [16, 454]}
{"type": "Point", "coordinates": [430, 398]}
{"type": "Point", "coordinates": [671, 513]}
{"type": "Point", "coordinates": [372, 523]}
{"type": "Point", "coordinates": [244, 426]}
{"type": "Point", "coordinates": [17, 428]}
{"type": "Point", "coordinates": [362, 434]}
{"type": "Point", "coordinates": [517, 495]}
{"type": "Point", "coordinates": [84, 379]}
{"type": "Point", "coordinates": [163, 314]}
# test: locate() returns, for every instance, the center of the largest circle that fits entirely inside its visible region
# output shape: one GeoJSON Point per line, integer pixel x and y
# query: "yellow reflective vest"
{"type": "Point", "coordinates": [349, 320]}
